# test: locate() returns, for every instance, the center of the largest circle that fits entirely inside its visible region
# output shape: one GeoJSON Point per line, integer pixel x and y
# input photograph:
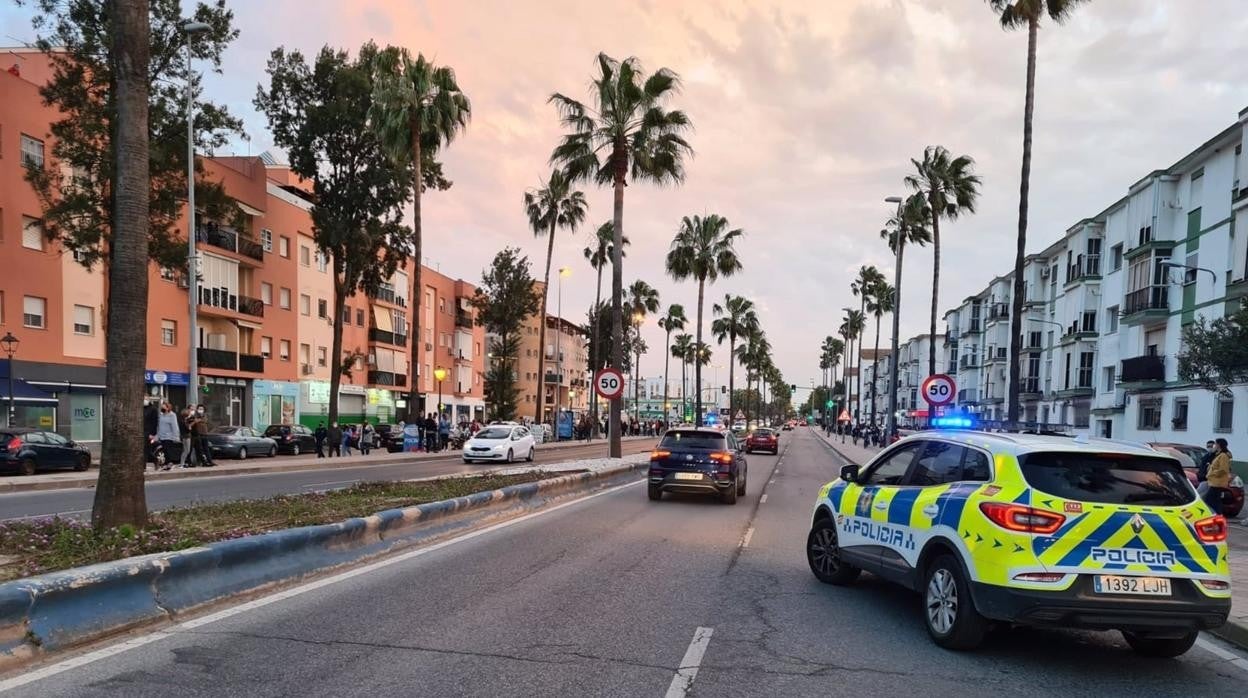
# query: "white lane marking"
{"type": "Point", "coordinates": [111, 650]}
{"type": "Point", "coordinates": [772, 481]}
{"type": "Point", "coordinates": [324, 484]}
{"type": "Point", "coordinates": [1217, 651]}
{"type": "Point", "coordinates": [688, 671]}
{"type": "Point", "coordinates": [745, 540]}
{"type": "Point", "coordinates": [48, 516]}
{"type": "Point", "coordinates": [763, 499]}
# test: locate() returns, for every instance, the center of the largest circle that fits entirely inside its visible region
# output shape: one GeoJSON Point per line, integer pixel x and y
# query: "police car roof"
{"type": "Point", "coordinates": [1019, 443]}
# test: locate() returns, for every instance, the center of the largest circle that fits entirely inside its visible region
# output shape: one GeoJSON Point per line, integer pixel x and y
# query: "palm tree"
{"type": "Point", "coordinates": [1013, 15]}
{"type": "Point", "coordinates": [643, 300]}
{"type": "Point", "coordinates": [672, 321]}
{"type": "Point", "coordinates": [735, 318]}
{"type": "Point", "coordinates": [882, 297]}
{"type": "Point", "coordinates": [908, 226]}
{"type": "Point", "coordinates": [868, 277]}
{"type": "Point", "coordinates": [682, 349]}
{"type": "Point", "coordinates": [627, 133]}
{"type": "Point", "coordinates": [951, 189]}
{"type": "Point", "coordinates": [417, 106]}
{"type": "Point", "coordinates": [703, 250]}
{"type": "Point", "coordinates": [552, 206]}
{"type": "Point", "coordinates": [754, 354]}
{"type": "Point", "coordinates": [600, 254]}
{"type": "Point", "coordinates": [853, 326]}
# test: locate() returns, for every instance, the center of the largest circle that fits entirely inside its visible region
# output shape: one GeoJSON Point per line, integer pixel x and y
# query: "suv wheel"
{"type": "Point", "coordinates": [951, 618]}
{"type": "Point", "coordinates": [1163, 647]}
{"type": "Point", "coordinates": [654, 492]}
{"type": "Point", "coordinates": [823, 554]}
{"type": "Point", "coordinates": [272, 451]}
{"type": "Point", "coordinates": [730, 495]}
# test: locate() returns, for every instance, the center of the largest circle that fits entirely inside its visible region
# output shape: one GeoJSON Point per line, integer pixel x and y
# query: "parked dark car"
{"type": "Point", "coordinates": [28, 451]}
{"type": "Point", "coordinates": [240, 442]}
{"type": "Point", "coordinates": [698, 461]}
{"type": "Point", "coordinates": [292, 438]}
{"type": "Point", "coordinates": [762, 440]}
{"type": "Point", "coordinates": [388, 438]}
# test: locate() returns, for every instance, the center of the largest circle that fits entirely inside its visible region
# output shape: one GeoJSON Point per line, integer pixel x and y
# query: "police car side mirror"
{"type": "Point", "coordinates": [849, 473]}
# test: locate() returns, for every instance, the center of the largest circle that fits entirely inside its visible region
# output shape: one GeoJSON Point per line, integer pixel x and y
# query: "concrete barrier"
{"type": "Point", "coordinates": [60, 610]}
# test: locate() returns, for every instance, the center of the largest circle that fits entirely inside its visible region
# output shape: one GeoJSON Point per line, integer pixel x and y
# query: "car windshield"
{"type": "Point", "coordinates": [493, 434]}
{"type": "Point", "coordinates": [1108, 478]}
{"type": "Point", "coordinates": [693, 439]}
{"type": "Point", "coordinates": [763, 432]}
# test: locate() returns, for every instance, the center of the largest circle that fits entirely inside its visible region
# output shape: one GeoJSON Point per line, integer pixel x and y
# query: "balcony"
{"type": "Point", "coordinates": [1145, 303]}
{"type": "Point", "coordinates": [228, 239]}
{"type": "Point", "coordinates": [387, 378]}
{"type": "Point", "coordinates": [250, 248]}
{"type": "Point", "coordinates": [252, 363]}
{"type": "Point", "coordinates": [1143, 371]}
{"type": "Point", "coordinates": [384, 294]}
{"type": "Point", "coordinates": [1148, 245]}
{"type": "Point", "coordinates": [218, 298]}
{"type": "Point", "coordinates": [973, 329]}
{"type": "Point", "coordinates": [217, 358]}
{"type": "Point", "coordinates": [1029, 388]}
{"type": "Point", "coordinates": [968, 362]}
{"type": "Point", "coordinates": [463, 319]}
{"type": "Point", "coordinates": [969, 396]}
{"type": "Point", "coordinates": [1081, 390]}
{"type": "Point", "coordinates": [1085, 268]}
{"type": "Point", "coordinates": [998, 356]}
{"type": "Point", "coordinates": [554, 378]}
{"type": "Point", "coordinates": [998, 311]}
{"type": "Point", "coordinates": [251, 306]}
{"type": "Point", "coordinates": [384, 337]}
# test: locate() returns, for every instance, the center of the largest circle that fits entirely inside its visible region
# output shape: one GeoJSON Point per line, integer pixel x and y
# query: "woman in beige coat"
{"type": "Point", "coordinates": [1219, 476]}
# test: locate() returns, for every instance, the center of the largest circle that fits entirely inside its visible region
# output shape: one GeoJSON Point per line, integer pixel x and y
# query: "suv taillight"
{"type": "Point", "coordinates": [1212, 529]}
{"type": "Point", "coordinates": [14, 444]}
{"type": "Point", "coordinates": [1016, 517]}
{"type": "Point", "coordinates": [659, 455]}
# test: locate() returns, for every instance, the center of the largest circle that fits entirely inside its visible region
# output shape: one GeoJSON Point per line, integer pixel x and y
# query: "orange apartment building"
{"type": "Point", "coordinates": [265, 296]}
{"type": "Point", "coordinates": [561, 364]}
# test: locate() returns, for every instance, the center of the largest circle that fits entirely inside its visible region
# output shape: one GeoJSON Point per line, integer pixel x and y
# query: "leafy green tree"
{"type": "Point", "coordinates": [882, 297]}
{"type": "Point", "coordinates": [1214, 354]}
{"type": "Point", "coordinates": [552, 206]}
{"type": "Point", "coordinates": [1015, 14]}
{"type": "Point", "coordinates": [673, 320]}
{"type": "Point", "coordinates": [951, 189]}
{"type": "Point", "coordinates": [703, 250]}
{"type": "Point", "coordinates": [625, 134]}
{"type": "Point", "coordinates": [733, 320]}
{"type": "Point", "coordinates": [505, 298]}
{"type": "Point", "coordinates": [418, 108]}
{"type": "Point", "coordinates": [319, 113]}
{"type": "Point", "coordinates": [76, 187]}
{"type": "Point", "coordinates": [599, 254]}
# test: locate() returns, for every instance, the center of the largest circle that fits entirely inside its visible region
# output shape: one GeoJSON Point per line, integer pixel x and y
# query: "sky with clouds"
{"type": "Point", "coordinates": [805, 117]}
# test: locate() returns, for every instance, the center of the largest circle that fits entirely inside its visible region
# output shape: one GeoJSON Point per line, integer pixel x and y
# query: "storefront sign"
{"type": "Point", "coordinates": [318, 392]}
{"type": "Point", "coordinates": [158, 377]}
{"type": "Point", "coordinates": [84, 422]}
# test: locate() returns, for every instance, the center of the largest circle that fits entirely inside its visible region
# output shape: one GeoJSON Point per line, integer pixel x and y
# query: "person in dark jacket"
{"type": "Point", "coordinates": [1202, 470]}
{"type": "Point", "coordinates": [335, 440]}
{"type": "Point", "coordinates": [431, 433]}
{"type": "Point", "coordinates": [320, 435]}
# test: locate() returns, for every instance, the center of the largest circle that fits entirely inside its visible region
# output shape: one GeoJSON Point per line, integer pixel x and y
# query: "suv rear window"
{"type": "Point", "coordinates": [1108, 478]}
{"type": "Point", "coordinates": [694, 439]}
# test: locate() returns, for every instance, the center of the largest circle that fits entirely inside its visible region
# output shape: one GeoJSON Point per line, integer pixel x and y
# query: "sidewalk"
{"type": "Point", "coordinates": [69, 479]}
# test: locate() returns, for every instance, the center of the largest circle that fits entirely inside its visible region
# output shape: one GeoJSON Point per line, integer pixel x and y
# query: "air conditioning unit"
{"type": "Point", "coordinates": [428, 346]}
{"type": "Point", "coordinates": [184, 281]}
{"type": "Point", "coordinates": [1044, 273]}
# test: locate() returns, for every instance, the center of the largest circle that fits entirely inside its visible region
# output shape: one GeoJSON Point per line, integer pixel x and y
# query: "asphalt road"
{"type": "Point", "coordinates": [214, 488]}
{"type": "Point", "coordinates": [608, 596]}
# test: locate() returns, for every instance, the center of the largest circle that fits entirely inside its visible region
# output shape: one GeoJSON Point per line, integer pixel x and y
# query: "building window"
{"type": "Point", "coordinates": [266, 239]}
{"type": "Point", "coordinates": [32, 233]}
{"type": "Point", "coordinates": [305, 304]}
{"type": "Point", "coordinates": [84, 320]}
{"type": "Point", "coordinates": [1179, 420]}
{"type": "Point", "coordinates": [359, 317]}
{"type": "Point", "coordinates": [266, 293]}
{"type": "Point", "coordinates": [283, 298]}
{"type": "Point", "coordinates": [34, 312]}
{"type": "Point", "coordinates": [322, 308]}
{"type": "Point", "coordinates": [1115, 257]}
{"type": "Point", "coordinates": [283, 349]}
{"type": "Point", "coordinates": [1224, 420]}
{"type": "Point", "coordinates": [32, 151]}
{"type": "Point", "coordinates": [283, 246]}
{"type": "Point", "coordinates": [168, 274]}
{"type": "Point", "coordinates": [1150, 414]}
{"type": "Point", "coordinates": [305, 256]}
{"type": "Point", "coordinates": [266, 347]}
{"type": "Point", "coordinates": [1110, 373]}
{"type": "Point", "coordinates": [168, 332]}
{"type": "Point", "coordinates": [442, 305]}
{"type": "Point", "coordinates": [322, 356]}
{"type": "Point", "coordinates": [322, 261]}
{"type": "Point", "coordinates": [1111, 319]}
{"type": "Point", "coordinates": [305, 357]}
{"type": "Point", "coordinates": [346, 315]}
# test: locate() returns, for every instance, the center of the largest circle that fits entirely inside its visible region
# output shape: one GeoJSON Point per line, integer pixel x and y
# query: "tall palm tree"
{"type": "Point", "coordinates": [881, 302]}
{"type": "Point", "coordinates": [599, 254]}
{"type": "Point", "coordinates": [853, 326]}
{"type": "Point", "coordinates": [119, 494]}
{"type": "Point", "coordinates": [754, 354]}
{"type": "Point", "coordinates": [417, 106]}
{"type": "Point", "coordinates": [733, 319]}
{"type": "Point", "coordinates": [683, 349]}
{"type": "Point", "coordinates": [552, 206]}
{"type": "Point", "coordinates": [643, 300]}
{"type": "Point", "coordinates": [908, 226]}
{"type": "Point", "coordinates": [703, 250]}
{"type": "Point", "coordinates": [868, 277]}
{"type": "Point", "coordinates": [951, 189]}
{"type": "Point", "coordinates": [672, 321]}
{"type": "Point", "coordinates": [625, 134]}
{"type": "Point", "coordinates": [1015, 14]}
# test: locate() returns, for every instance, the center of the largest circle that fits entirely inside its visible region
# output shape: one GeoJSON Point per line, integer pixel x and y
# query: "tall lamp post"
{"type": "Point", "coordinates": [891, 421]}
{"type": "Point", "coordinates": [191, 29]}
{"type": "Point", "coordinates": [439, 374]}
{"type": "Point", "coordinates": [563, 271]}
{"type": "Point", "coordinates": [9, 344]}
{"type": "Point", "coordinates": [848, 382]}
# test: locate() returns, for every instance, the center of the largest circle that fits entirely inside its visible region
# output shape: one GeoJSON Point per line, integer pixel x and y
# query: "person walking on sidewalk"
{"type": "Point", "coordinates": [366, 438]}
{"type": "Point", "coordinates": [347, 435]}
{"type": "Point", "coordinates": [1202, 469]}
{"type": "Point", "coordinates": [444, 431]}
{"type": "Point", "coordinates": [167, 432]}
{"type": "Point", "coordinates": [335, 440]}
{"type": "Point", "coordinates": [321, 434]}
{"type": "Point", "coordinates": [431, 433]}
{"type": "Point", "coordinates": [1219, 476]}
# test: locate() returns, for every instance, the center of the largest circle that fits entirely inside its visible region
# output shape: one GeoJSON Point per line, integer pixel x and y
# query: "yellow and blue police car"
{"type": "Point", "coordinates": [1030, 530]}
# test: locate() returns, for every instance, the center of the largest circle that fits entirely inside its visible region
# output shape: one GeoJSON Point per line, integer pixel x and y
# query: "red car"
{"type": "Point", "coordinates": [1190, 457]}
{"type": "Point", "coordinates": [762, 440]}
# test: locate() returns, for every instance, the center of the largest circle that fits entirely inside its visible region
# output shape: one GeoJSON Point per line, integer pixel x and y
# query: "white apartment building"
{"type": "Point", "coordinates": [912, 369]}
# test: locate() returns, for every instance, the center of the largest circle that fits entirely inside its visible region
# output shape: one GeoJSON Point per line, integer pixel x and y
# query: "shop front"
{"type": "Point", "coordinates": [314, 403]}
{"type": "Point", "coordinates": [351, 401]}
{"type": "Point", "coordinates": [63, 398]}
{"type": "Point", "coordinates": [274, 402]}
{"type": "Point", "coordinates": [168, 386]}
{"type": "Point", "coordinates": [380, 405]}
{"type": "Point", "coordinates": [225, 400]}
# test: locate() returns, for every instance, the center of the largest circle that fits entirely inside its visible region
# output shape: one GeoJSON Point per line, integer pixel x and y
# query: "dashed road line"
{"type": "Point", "coordinates": [763, 499]}
{"type": "Point", "coordinates": [745, 540]}
{"type": "Point", "coordinates": [682, 682]}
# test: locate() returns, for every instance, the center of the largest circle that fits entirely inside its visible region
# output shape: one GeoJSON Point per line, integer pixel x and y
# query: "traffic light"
{"type": "Point", "coordinates": [830, 404]}
{"type": "Point", "coordinates": [723, 389]}
{"type": "Point", "coordinates": [793, 387]}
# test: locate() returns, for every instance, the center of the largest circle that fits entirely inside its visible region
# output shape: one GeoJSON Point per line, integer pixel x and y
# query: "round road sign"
{"type": "Point", "coordinates": [609, 383]}
{"type": "Point", "coordinates": [939, 390]}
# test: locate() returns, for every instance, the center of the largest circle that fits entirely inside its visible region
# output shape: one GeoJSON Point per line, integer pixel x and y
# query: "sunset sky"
{"type": "Point", "coordinates": [805, 116]}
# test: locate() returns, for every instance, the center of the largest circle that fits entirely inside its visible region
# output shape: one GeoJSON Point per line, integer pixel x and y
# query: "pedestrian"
{"type": "Point", "coordinates": [366, 438]}
{"type": "Point", "coordinates": [444, 431]}
{"type": "Point", "coordinates": [335, 439]}
{"type": "Point", "coordinates": [347, 434]}
{"type": "Point", "coordinates": [431, 433]}
{"type": "Point", "coordinates": [321, 434]}
{"type": "Point", "coordinates": [167, 432]}
{"type": "Point", "coordinates": [1202, 468]}
{"type": "Point", "coordinates": [184, 431]}
{"type": "Point", "coordinates": [199, 438]}
{"type": "Point", "coordinates": [1219, 476]}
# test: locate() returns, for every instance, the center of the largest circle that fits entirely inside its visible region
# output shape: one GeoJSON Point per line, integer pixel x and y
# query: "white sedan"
{"type": "Point", "coordinates": [500, 442]}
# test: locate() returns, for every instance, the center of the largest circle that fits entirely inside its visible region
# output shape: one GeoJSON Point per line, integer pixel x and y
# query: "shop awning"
{"type": "Point", "coordinates": [24, 392]}
{"type": "Point", "coordinates": [381, 319]}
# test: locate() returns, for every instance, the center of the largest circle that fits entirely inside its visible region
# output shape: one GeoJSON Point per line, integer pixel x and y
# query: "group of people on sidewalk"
{"type": "Point", "coordinates": [336, 440]}
{"type": "Point", "coordinates": [177, 437]}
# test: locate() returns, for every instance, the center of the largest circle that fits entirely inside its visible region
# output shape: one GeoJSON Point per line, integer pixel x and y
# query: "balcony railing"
{"type": "Point", "coordinates": [385, 294]}
{"type": "Point", "coordinates": [975, 326]}
{"type": "Point", "coordinates": [250, 248]}
{"type": "Point", "coordinates": [217, 358]}
{"type": "Point", "coordinates": [229, 239]}
{"type": "Point", "coordinates": [1029, 385]}
{"type": "Point", "coordinates": [1143, 368]}
{"type": "Point", "coordinates": [968, 395]}
{"type": "Point", "coordinates": [251, 306]}
{"type": "Point", "coordinates": [1148, 298]}
{"type": "Point", "coordinates": [251, 363]}
{"type": "Point", "coordinates": [463, 319]}
{"type": "Point", "coordinates": [553, 378]}
{"type": "Point", "coordinates": [384, 337]}
{"type": "Point", "coordinates": [998, 311]}
{"type": "Point", "coordinates": [387, 378]}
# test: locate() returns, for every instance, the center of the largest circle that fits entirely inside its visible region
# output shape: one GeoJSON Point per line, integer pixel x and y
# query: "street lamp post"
{"type": "Point", "coordinates": [891, 420]}
{"type": "Point", "coordinates": [9, 344]}
{"type": "Point", "coordinates": [563, 271]}
{"type": "Point", "coordinates": [844, 428]}
{"type": "Point", "coordinates": [439, 374]}
{"type": "Point", "coordinates": [191, 29]}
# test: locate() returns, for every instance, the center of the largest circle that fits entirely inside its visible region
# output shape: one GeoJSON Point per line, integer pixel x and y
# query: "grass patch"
{"type": "Point", "coordinates": [36, 546]}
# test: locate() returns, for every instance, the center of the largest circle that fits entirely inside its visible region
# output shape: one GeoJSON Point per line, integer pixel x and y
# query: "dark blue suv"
{"type": "Point", "coordinates": [698, 461]}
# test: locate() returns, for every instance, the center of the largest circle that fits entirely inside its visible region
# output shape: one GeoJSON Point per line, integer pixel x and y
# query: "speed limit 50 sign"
{"type": "Point", "coordinates": [939, 390]}
{"type": "Point", "coordinates": [609, 383]}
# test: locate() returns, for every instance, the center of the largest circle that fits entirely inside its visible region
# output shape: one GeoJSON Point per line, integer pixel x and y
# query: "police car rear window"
{"type": "Point", "coordinates": [693, 439]}
{"type": "Point", "coordinates": [1108, 478]}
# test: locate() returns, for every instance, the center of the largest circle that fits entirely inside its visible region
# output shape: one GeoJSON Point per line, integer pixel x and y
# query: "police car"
{"type": "Point", "coordinates": [1030, 530]}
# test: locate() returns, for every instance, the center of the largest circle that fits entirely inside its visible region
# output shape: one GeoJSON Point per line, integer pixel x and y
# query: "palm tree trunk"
{"type": "Point", "coordinates": [931, 349]}
{"type": "Point", "coordinates": [667, 364]}
{"type": "Point", "coordinates": [541, 334]}
{"type": "Point", "coordinates": [119, 494]}
{"type": "Point", "coordinates": [697, 360]}
{"type": "Point", "coordinates": [861, 332]}
{"type": "Point", "coordinates": [617, 290]}
{"type": "Point", "coordinates": [732, 362]}
{"type": "Point", "coordinates": [596, 354]}
{"type": "Point", "coordinates": [891, 419]}
{"type": "Point", "coordinates": [418, 298]}
{"type": "Point", "coordinates": [1016, 321]}
{"type": "Point", "coordinates": [875, 370]}
{"type": "Point", "coordinates": [684, 385]}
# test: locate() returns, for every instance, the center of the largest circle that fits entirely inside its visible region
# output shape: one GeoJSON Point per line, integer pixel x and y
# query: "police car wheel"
{"type": "Point", "coordinates": [951, 618]}
{"type": "Point", "coordinates": [824, 555]}
{"type": "Point", "coordinates": [1164, 647]}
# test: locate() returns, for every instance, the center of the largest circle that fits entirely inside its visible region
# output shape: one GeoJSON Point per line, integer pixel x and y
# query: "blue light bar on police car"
{"type": "Point", "coordinates": [953, 422]}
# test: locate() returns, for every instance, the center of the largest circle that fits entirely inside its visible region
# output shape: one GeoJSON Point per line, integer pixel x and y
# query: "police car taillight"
{"type": "Point", "coordinates": [1016, 517]}
{"type": "Point", "coordinates": [1215, 584]}
{"type": "Point", "coordinates": [1211, 530]}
